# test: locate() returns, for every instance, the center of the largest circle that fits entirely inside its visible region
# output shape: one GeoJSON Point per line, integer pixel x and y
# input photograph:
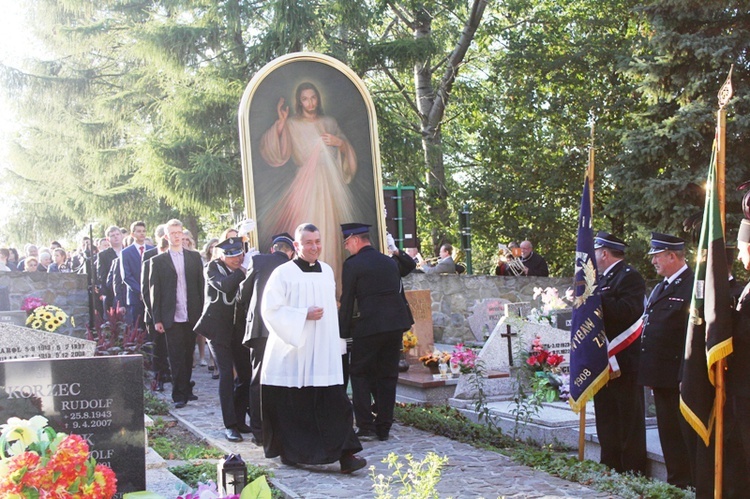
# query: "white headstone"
{"type": "Point", "coordinates": [496, 357]}
{"type": "Point", "coordinates": [18, 342]}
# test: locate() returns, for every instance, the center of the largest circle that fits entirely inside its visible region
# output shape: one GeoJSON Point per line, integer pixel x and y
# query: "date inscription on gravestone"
{"type": "Point", "coordinates": [99, 398]}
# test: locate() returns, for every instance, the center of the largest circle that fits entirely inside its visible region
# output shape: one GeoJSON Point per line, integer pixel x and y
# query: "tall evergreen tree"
{"type": "Point", "coordinates": [667, 143]}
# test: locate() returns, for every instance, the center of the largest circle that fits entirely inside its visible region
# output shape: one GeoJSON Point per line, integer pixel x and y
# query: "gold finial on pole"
{"type": "Point", "coordinates": [726, 91]}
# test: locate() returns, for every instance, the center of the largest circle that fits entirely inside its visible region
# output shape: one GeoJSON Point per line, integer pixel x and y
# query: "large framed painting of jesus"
{"type": "Point", "coordinates": [309, 142]}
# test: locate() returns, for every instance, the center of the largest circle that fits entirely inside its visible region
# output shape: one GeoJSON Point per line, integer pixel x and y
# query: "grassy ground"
{"type": "Point", "coordinates": [448, 422]}
{"type": "Point", "coordinates": [174, 442]}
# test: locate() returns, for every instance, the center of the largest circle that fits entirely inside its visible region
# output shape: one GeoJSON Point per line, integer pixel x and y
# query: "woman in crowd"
{"type": "Point", "coordinates": [30, 264]}
{"type": "Point", "coordinates": [188, 241]}
{"type": "Point", "coordinates": [45, 260]}
{"type": "Point", "coordinates": [208, 250]}
{"type": "Point", "coordinates": [13, 258]}
{"type": "Point", "coordinates": [62, 264]}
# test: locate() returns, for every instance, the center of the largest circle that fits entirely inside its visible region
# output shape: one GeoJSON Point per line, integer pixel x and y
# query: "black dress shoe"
{"type": "Point", "coordinates": [383, 437]}
{"type": "Point", "coordinates": [365, 435]}
{"type": "Point", "coordinates": [351, 463]}
{"type": "Point", "coordinates": [193, 397]}
{"type": "Point", "coordinates": [244, 428]}
{"type": "Point", "coordinates": [159, 386]}
{"type": "Point", "coordinates": [180, 404]}
{"type": "Point", "coordinates": [192, 384]}
{"type": "Point", "coordinates": [215, 375]}
{"type": "Point", "coordinates": [233, 435]}
{"type": "Point", "coordinates": [257, 441]}
{"type": "Point", "coordinates": [288, 462]}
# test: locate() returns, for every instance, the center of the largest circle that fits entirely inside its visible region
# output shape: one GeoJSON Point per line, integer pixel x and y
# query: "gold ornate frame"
{"type": "Point", "coordinates": [278, 77]}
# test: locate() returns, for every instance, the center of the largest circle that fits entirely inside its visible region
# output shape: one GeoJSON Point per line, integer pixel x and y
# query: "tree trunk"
{"type": "Point", "coordinates": [431, 103]}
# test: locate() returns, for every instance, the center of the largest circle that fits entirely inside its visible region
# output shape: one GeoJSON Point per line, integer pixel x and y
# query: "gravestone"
{"type": "Point", "coordinates": [484, 316]}
{"type": "Point", "coordinates": [17, 342]}
{"type": "Point", "coordinates": [17, 318]}
{"type": "Point", "coordinates": [420, 302]}
{"type": "Point", "coordinates": [496, 356]}
{"type": "Point", "coordinates": [98, 398]}
{"type": "Point", "coordinates": [4, 298]}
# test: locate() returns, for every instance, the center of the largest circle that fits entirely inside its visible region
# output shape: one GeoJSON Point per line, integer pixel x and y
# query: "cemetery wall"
{"type": "Point", "coordinates": [467, 307]}
{"type": "Point", "coordinates": [67, 291]}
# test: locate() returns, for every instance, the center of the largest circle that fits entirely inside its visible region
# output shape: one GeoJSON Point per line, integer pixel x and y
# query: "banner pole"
{"type": "Point", "coordinates": [721, 129]}
{"type": "Point", "coordinates": [582, 432]}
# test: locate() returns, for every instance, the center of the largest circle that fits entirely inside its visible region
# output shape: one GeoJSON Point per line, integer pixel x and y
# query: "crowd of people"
{"type": "Point", "coordinates": [271, 325]}
{"type": "Point", "coordinates": [276, 331]}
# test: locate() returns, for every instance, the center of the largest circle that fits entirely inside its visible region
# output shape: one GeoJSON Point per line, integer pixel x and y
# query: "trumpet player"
{"type": "Point", "coordinates": [444, 265]}
{"type": "Point", "coordinates": [508, 262]}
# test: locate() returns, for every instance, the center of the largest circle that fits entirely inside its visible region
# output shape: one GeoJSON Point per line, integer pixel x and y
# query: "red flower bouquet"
{"type": "Point", "coordinates": [38, 462]}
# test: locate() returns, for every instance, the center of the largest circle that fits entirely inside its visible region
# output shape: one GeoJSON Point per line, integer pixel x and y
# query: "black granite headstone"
{"type": "Point", "coordinates": [4, 298]}
{"type": "Point", "coordinates": [99, 398]}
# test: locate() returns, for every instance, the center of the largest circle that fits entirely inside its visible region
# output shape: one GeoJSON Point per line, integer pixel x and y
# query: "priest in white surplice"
{"type": "Point", "coordinates": [307, 416]}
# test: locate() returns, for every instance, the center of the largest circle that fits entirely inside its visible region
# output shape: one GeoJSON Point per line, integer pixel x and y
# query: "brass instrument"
{"type": "Point", "coordinates": [431, 261]}
{"type": "Point", "coordinates": [512, 259]}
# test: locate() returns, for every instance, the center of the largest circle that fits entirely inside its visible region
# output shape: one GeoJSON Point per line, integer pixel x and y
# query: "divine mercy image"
{"type": "Point", "coordinates": [309, 132]}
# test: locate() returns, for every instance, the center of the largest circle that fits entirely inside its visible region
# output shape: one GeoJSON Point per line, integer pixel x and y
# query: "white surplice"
{"type": "Point", "coordinates": [301, 352]}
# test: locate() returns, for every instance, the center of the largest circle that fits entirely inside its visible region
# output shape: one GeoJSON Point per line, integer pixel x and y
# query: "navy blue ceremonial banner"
{"type": "Point", "coordinates": [709, 330]}
{"type": "Point", "coordinates": [589, 363]}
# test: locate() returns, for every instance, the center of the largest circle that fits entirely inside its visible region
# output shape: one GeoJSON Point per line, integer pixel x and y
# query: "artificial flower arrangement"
{"type": "Point", "coordinates": [549, 383]}
{"type": "Point", "coordinates": [463, 359]}
{"type": "Point", "coordinates": [435, 358]}
{"type": "Point", "coordinates": [548, 300]}
{"type": "Point", "coordinates": [408, 340]}
{"type": "Point", "coordinates": [30, 303]}
{"type": "Point", "coordinates": [36, 461]}
{"type": "Point", "coordinates": [48, 317]}
{"type": "Point", "coordinates": [257, 489]}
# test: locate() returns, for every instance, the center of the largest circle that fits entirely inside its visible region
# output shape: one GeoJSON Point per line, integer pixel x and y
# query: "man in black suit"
{"type": "Point", "coordinates": [176, 291]}
{"type": "Point", "coordinates": [159, 360]}
{"type": "Point", "coordinates": [373, 280]}
{"type": "Point", "coordinates": [619, 406]}
{"type": "Point", "coordinates": [738, 374]}
{"type": "Point", "coordinates": [104, 264]}
{"type": "Point", "coordinates": [534, 264]}
{"type": "Point", "coordinates": [737, 408]}
{"type": "Point", "coordinates": [256, 333]}
{"type": "Point", "coordinates": [223, 329]}
{"type": "Point", "coordinates": [662, 351]}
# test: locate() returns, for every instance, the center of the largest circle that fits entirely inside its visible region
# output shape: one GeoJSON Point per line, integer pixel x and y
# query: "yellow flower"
{"type": "Point", "coordinates": [29, 319]}
{"type": "Point", "coordinates": [61, 316]}
{"type": "Point", "coordinates": [50, 326]}
{"type": "Point", "coordinates": [26, 431]}
{"type": "Point", "coordinates": [47, 316]}
{"type": "Point", "coordinates": [72, 321]}
{"type": "Point", "coordinates": [37, 324]}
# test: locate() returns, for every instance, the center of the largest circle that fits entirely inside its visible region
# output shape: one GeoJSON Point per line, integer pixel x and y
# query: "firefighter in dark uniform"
{"type": "Point", "coordinates": [223, 325]}
{"type": "Point", "coordinates": [373, 281]}
{"type": "Point", "coordinates": [662, 352]}
{"type": "Point", "coordinates": [619, 406]}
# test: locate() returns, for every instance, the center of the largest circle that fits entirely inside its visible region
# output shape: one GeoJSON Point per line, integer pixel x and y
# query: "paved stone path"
{"type": "Point", "coordinates": [470, 472]}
